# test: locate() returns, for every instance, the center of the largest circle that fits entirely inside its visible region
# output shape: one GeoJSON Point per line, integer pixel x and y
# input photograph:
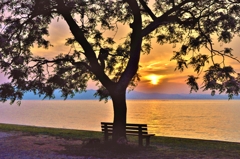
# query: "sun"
{"type": "Point", "coordinates": [154, 79]}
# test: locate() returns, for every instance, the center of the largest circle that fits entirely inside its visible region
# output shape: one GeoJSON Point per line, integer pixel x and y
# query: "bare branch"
{"type": "Point", "coordinates": [148, 10]}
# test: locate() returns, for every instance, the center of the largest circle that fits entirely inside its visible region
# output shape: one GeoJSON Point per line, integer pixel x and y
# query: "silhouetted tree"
{"type": "Point", "coordinates": [189, 23]}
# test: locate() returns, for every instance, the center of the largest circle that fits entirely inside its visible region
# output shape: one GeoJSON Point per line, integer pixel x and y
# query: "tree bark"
{"type": "Point", "coordinates": [120, 114]}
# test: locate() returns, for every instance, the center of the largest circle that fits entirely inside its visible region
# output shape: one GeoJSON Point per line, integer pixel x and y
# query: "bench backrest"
{"type": "Point", "coordinates": [130, 128]}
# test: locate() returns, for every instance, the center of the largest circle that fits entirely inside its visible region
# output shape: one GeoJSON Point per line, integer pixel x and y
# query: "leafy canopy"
{"type": "Point", "coordinates": [190, 24]}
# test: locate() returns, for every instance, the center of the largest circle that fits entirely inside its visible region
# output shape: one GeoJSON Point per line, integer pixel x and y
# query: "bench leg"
{"type": "Point", "coordinates": [147, 141]}
{"type": "Point", "coordinates": [140, 141]}
{"type": "Point", "coordinates": [105, 137]}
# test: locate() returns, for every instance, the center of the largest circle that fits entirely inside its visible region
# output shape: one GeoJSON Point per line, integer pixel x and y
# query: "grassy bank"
{"type": "Point", "coordinates": [64, 133]}
{"type": "Point", "coordinates": [161, 147]}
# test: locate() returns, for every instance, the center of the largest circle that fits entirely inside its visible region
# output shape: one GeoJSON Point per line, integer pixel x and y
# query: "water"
{"type": "Point", "coordinates": [201, 119]}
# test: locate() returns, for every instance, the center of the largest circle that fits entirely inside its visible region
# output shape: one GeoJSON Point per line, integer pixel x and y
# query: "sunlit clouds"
{"type": "Point", "coordinates": [154, 79]}
{"type": "Point", "coordinates": [157, 71]}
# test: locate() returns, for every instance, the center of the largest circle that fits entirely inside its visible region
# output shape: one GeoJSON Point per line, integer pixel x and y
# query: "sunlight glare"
{"type": "Point", "coordinates": [154, 78]}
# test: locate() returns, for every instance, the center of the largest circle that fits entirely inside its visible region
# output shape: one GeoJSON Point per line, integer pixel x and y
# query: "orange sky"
{"type": "Point", "coordinates": [157, 71]}
{"type": "Point", "coordinates": [158, 63]}
{"type": "Point", "coordinates": [156, 66]}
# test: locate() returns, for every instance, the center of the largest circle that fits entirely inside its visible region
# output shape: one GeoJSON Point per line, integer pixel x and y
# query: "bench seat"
{"type": "Point", "coordinates": [139, 130]}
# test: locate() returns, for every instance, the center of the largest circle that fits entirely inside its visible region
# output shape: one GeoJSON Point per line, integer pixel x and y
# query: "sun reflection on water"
{"type": "Point", "coordinates": [202, 119]}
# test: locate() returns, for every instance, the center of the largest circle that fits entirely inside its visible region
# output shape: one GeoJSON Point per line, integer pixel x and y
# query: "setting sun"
{"type": "Point", "coordinates": [154, 79]}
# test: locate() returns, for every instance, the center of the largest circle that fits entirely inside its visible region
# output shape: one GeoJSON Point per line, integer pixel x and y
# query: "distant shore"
{"type": "Point", "coordinates": [89, 95]}
{"type": "Point", "coordinates": [63, 145]}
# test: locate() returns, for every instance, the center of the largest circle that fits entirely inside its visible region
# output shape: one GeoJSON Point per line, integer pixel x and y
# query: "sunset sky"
{"type": "Point", "coordinates": [157, 71]}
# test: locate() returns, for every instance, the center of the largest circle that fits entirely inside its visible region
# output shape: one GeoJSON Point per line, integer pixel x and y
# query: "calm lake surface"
{"type": "Point", "coordinates": [201, 119]}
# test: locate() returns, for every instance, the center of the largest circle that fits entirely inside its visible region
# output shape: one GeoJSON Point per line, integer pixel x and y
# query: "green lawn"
{"type": "Point", "coordinates": [160, 147]}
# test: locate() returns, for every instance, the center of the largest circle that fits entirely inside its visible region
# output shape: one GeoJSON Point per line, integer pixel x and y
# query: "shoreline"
{"type": "Point", "coordinates": [15, 127]}
{"type": "Point", "coordinates": [211, 120]}
{"type": "Point", "coordinates": [24, 141]}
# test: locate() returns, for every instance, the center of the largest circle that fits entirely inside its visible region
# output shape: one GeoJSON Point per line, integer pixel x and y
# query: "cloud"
{"type": "Point", "coordinates": [163, 87]}
{"type": "Point", "coordinates": [157, 62]}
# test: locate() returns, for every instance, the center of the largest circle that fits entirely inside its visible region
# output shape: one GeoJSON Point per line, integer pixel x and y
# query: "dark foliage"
{"type": "Point", "coordinates": [95, 55]}
{"type": "Point", "coordinates": [189, 23]}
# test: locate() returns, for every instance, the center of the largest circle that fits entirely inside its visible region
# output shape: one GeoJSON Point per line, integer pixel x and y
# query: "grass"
{"type": "Point", "coordinates": [64, 133]}
{"type": "Point", "coordinates": [161, 147]}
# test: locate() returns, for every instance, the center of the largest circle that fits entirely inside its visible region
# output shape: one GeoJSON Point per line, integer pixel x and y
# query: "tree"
{"type": "Point", "coordinates": [190, 24]}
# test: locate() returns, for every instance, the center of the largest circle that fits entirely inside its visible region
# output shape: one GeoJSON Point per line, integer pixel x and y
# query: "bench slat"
{"type": "Point", "coordinates": [130, 134]}
{"type": "Point", "coordinates": [128, 124]}
{"type": "Point", "coordinates": [135, 132]}
{"type": "Point", "coordinates": [107, 130]}
{"type": "Point", "coordinates": [127, 131]}
{"type": "Point", "coordinates": [132, 129]}
{"type": "Point", "coordinates": [136, 128]}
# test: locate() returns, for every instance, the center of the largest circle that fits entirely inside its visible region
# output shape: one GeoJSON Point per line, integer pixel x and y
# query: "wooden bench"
{"type": "Point", "coordinates": [139, 130]}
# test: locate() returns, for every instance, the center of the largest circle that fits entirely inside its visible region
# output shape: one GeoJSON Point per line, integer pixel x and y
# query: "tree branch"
{"type": "Point", "coordinates": [163, 19]}
{"type": "Point", "coordinates": [80, 38]}
{"type": "Point", "coordinates": [136, 41]}
{"type": "Point", "coordinates": [76, 64]}
{"type": "Point", "coordinates": [148, 10]}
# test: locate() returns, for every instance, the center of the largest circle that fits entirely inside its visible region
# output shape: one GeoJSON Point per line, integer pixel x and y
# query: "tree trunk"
{"type": "Point", "coordinates": [120, 114]}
